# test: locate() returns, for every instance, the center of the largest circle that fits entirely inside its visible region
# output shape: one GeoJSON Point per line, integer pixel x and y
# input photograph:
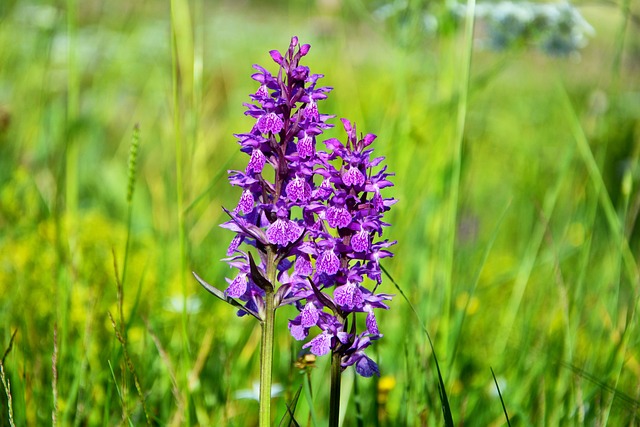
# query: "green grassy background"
{"type": "Point", "coordinates": [517, 239]}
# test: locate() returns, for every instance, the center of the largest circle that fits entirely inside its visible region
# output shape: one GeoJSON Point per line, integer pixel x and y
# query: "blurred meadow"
{"type": "Point", "coordinates": [517, 224]}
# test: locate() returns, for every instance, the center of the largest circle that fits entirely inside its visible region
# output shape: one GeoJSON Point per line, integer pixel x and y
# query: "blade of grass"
{"type": "Point", "coordinates": [7, 389]}
{"type": "Point", "coordinates": [175, 390]}
{"type": "Point", "coordinates": [598, 183]}
{"type": "Point", "coordinates": [222, 171]}
{"type": "Point", "coordinates": [446, 408]}
{"type": "Point", "coordinates": [487, 251]}
{"type": "Point", "coordinates": [504, 408]}
{"type": "Point", "coordinates": [633, 404]}
{"type": "Point", "coordinates": [617, 229]}
{"type": "Point", "coordinates": [288, 418]}
{"type": "Point", "coordinates": [122, 338]}
{"type": "Point", "coordinates": [130, 366]}
{"type": "Point", "coordinates": [73, 102]}
{"type": "Point", "coordinates": [530, 256]}
{"type": "Point", "coordinates": [463, 93]}
{"type": "Point", "coordinates": [182, 53]}
{"type": "Point", "coordinates": [10, 346]}
{"type": "Point", "coordinates": [308, 396]}
{"type": "Point", "coordinates": [122, 402]}
{"type": "Point", "coordinates": [54, 376]}
{"type": "Point", "coordinates": [136, 302]}
{"type": "Point", "coordinates": [357, 400]}
{"type": "Point", "coordinates": [5, 381]}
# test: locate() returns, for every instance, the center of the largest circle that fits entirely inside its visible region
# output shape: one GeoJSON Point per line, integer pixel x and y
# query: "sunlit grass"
{"type": "Point", "coordinates": [541, 284]}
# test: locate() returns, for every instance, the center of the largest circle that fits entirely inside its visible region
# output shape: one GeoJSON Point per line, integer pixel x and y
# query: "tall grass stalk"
{"type": "Point", "coordinates": [54, 376]}
{"type": "Point", "coordinates": [6, 384]}
{"type": "Point", "coordinates": [308, 395]}
{"type": "Point", "coordinates": [504, 407]}
{"type": "Point", "coordinates": [181, 47]}
{"type": "Point", "coordinates": [618, 232]}
{"type": "Point", "coordinates": [476, 281]}
{"type": "Point", "coordinates": [125, 413]}
{"type": "Point", "coordinates": [178, 129]}
{"type": "Point", "coordinates": [131, 181]}
{"type": "Point", "coordinates": [73, 102]}
{"type": "Point", "coordinates": [175, 390]}
{"type": "Point", "coordinates": [67, 216]}
{"type": "Point", "coordinates": [529, 258]}
{"type": "Point", "coordinates": [597, 181]}
{"type": "Point", "coordinates": [442, 391]}
{"type": "Point", "coordinates": [121, 337]}
{"type": "Point", "coordinates": [462, 93]}
{"type": "Point", "coordinates": [619, 42]}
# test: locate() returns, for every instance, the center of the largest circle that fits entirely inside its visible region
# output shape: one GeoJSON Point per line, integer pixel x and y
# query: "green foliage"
{"type": "Point", "coordinates": [542, 285]}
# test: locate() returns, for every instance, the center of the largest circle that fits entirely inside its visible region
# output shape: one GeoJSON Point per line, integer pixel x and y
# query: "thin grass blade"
{"type": "Point", "coordinates": [446, 407]}
{"type": "Point", "coordinates": [504, 408]}
{"type": "Point", "coordinates": [288, 418]}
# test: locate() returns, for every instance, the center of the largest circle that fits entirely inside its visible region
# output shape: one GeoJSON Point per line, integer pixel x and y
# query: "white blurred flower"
{"type": "Point", "coordinates": [175, 304]}
{"type": "Point", "coordinates": [254, 392]}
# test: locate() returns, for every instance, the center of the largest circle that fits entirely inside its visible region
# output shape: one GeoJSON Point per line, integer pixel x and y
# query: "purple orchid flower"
{"type": "Point", "coordinates": [308, 223]}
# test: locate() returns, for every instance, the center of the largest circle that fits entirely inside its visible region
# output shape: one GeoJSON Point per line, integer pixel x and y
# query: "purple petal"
{"type": "Point", "coordinates": [257, 162]}
{"type": "Point", "coordinates": [245, 205]}
{"type": "Point", "coordinates": [277, 232]}
{"type": "Point", "coordinates": [368, 139]}
{"type": "Point", "coordinates": [298, 331]}
{"type": "Point", "coordinates": [348, 128]}
{"type": "Point", "coordinates": [233, 246]}
{"type": "Point", "coordinates": [334, 144]}
{"type": "Point", "coordinates": [283, 232]}
{"type": "Point", "coordinates": [360, 241]}
{"type": "Point", "coordinates": [276, 56]}
{"type": "Point", "coordinates": [305, 146]}
{"type": "Point", "coordinates": [300, 73]}
{"type": "Point", "coordinates": [262, 92]}
{"type": "Point", "coordinates": [338, 217]}
{"type": "Point", "coordinates": [298, 189]}
{"type": "Point", "coordinates": [348, 296]}
{"type": "Point", "coordinates": [309, 315]}
{"type": "Point", "coordinates": [303, 266]}
{"type": "Point", "coordinates": [328, 262]}
{"type": "Point", "coordinates": [320, 345]}
{"type": "Point", "coordinates": [270, 123]}
{"type": "Point", "coordinates": [352, 176]}
{"type": "Point", "coordinates": [311, 112]}
{"type": "Point", "coordinates": [367, 367]}
{"type": "Point", "coordinates": [372, 324]}
{"type": "Point", "coordinates": [238, 286]}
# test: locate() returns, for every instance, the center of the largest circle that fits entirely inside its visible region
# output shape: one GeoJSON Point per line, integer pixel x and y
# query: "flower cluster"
{"type": "Point", "coordinates": [315, 218]}
{"type": "Point", "coordinates": [341, 242]}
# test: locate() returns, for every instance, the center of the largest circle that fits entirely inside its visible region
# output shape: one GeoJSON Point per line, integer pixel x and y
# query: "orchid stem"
{"type": "Point", "coordinates": [266, 352]}
{"type": "Point", "coordinates": [334, 400]}
{"type": "Point", "coordinates": [266, 361]}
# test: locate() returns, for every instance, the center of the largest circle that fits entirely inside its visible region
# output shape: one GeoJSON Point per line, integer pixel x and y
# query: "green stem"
{"type": "Point", "coordinates": [266, 352]}
{"type": "Point", "coordinates": [266, 361]}
{"type": "Point", "coordinates": [334, 400]}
